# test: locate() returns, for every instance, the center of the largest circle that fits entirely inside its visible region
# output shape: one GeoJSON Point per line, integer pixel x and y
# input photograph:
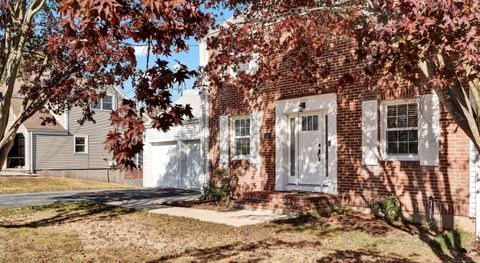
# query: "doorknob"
{"type": "Point", "coordinates": [319, 154]}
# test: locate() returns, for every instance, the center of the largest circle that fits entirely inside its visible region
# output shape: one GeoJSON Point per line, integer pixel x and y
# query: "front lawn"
{"type": "Point", "coordinates": [93, 232]}
{"type": "Point", "coordinates": [13, 185]}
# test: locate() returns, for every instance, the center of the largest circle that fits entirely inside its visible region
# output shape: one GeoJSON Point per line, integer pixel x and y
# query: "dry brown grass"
{"type": "Point", "coordinates": [86, 232]}
{"type": "Point", "coordinates": [13, 185]}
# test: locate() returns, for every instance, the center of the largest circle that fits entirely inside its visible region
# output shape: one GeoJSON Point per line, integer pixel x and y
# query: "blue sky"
{"type": "Point", "coordinates": [190, 58]}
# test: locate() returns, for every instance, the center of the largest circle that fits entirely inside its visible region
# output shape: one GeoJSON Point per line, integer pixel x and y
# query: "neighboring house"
{"type": "Point", "coordinates": [68, 149]}
{"type": "Point", "coordinates": [352, 144]}
{"type": "Point", "coordinates": [176, 158]}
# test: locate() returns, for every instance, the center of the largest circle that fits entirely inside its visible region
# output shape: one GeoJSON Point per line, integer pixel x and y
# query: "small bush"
{"type": "Point", "coordinates": [387, 207]}
{"type": "Point", "coordinates": [451, 242]}
{"type": "Point", "coordinates": [221, 187]}
{"type": "Point", "coordinates": [339, 210]}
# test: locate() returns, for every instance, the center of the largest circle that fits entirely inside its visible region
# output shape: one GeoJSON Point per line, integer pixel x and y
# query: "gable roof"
{"type": "Point", "coordinates": [34, 122]}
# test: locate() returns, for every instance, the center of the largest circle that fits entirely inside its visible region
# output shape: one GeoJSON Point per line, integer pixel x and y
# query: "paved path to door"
{"type": "Point", "coordinates": [234, 217]}
{"type": "Point", "coordinates": [145, 199]}
{"type": "Point", "coordinates": [152, 200]}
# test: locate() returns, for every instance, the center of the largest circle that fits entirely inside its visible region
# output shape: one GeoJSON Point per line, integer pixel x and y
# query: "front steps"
{"type": "Point", "coordinates": [291, 201]}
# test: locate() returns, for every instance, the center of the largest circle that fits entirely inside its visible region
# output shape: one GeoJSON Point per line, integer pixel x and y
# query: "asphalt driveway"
{"type": "Point", "coordinates": [145, 199]}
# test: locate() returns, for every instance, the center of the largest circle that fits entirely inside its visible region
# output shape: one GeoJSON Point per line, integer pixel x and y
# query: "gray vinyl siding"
{"type": "Point", "coordinates": [57, 151]}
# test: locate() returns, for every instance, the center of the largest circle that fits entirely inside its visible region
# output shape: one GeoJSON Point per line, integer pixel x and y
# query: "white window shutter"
{"type": "Point", "coordinates": [255, 138]}
{"type": "Point", "coordinates": [428, 130]}
{"type": "Point", "coordinates": [223, 128]}
{"type": "Point", "coordinates": [369, 132]}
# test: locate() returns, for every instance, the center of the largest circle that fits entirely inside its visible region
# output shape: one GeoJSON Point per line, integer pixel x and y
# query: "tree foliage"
{"type": "Point", "coordinates": [428, 44]}
{"type": "Point", "coordinates": [65, 53]}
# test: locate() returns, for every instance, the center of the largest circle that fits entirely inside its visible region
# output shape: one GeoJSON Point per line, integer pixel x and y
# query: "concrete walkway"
{"type": "Point", "coordinates": [235, 217]}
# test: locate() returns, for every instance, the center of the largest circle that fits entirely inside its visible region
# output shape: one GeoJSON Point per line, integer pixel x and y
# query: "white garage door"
{"type": "Point", "coordinates": [164, 165]}
{"type": "Point", "coordinates": [176, 167]}
{"type": "Point", "coordinates": [192, 166]}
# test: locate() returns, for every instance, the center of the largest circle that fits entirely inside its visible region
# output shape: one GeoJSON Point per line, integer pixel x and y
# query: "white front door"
{"type": "Point", "coordinates": [308, 147]}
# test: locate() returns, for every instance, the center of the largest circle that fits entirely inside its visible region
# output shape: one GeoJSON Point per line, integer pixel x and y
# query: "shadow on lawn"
{"type": "Point", "coordinates": [448, 246]}
{"type": "Point", "coordinates": [73, 212]}
{"type": "Point", "coordinates": [234, 249]}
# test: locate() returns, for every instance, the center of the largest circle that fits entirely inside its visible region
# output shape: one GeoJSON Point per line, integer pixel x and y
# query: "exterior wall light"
{"type": "Point", "coordinates": [302, 106]}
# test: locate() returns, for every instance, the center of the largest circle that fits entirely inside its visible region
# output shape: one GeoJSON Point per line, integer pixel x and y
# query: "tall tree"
{"type": "Point", "coordinates": [432, 44]}
{"type": "Point", "coordinates": [64, 53]}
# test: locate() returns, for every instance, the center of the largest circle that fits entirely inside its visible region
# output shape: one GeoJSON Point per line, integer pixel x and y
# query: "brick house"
{"type": "Point", "coordinates": [351, 144]}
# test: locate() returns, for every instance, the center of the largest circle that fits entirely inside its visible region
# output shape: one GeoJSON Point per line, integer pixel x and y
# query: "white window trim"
{"type": "Point", "coordinates": [101, 103]}
{"type": "Point", "coordinates": [383, 137]}
{"type": "Point", "coordinates": [232, 140]}
{"type": "Point", "coordinates": [75, 144]}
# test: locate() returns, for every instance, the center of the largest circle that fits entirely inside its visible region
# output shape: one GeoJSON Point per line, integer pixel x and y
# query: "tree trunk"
{"type": "Point", "coordinates": [5, 146]}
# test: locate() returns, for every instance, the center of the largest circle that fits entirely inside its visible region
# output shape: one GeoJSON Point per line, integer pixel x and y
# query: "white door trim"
{"type": "Point", "coordinates": [283, 110]}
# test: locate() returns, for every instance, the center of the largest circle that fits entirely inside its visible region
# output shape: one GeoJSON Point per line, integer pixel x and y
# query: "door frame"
{"type": "Point", "coordinates": [284, 109]}
{"type": "Point", "coordinates": [295, 180]}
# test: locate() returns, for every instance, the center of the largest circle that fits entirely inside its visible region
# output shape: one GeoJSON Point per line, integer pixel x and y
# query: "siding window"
{"type": "Point", "coordinates": [81, 144]}
{"type": "Point", "coordinates": [241, 137]}
{"type": "Point", "coordinates": [105, 103]}
{"type": "Point", "coordinates": [402, 129]}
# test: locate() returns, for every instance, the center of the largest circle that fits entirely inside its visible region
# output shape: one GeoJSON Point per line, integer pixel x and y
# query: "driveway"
{"type": "Point", "coordinates": [145, 199]}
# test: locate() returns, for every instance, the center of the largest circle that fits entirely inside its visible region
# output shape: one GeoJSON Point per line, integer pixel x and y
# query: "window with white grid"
{"type": "Point", "coordinates": [402, 129]}
{"type": "Point", "coordinates": [241, 137]}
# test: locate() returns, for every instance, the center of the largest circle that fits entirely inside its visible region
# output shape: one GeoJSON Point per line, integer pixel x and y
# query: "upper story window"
{"type": "Point", "coordinates": [402, 129]}
{"type": "Point", "coordinates": [241, 137]}
{"type": "Point", "coordinates": [105, 103]}
{"type": "Point", "coordinates": [80, 144]}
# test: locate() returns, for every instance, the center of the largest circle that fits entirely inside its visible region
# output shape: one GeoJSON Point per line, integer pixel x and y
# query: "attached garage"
{"type": "Point", "coordinates": [176, 159]}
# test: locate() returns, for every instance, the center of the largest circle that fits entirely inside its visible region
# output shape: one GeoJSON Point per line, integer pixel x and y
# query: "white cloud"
{"type": "Point", "coordinates": [141, 50]}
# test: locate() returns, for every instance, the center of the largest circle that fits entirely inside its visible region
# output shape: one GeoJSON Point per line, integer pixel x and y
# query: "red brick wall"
{"type": "Point", "coordinates": [357, 184]}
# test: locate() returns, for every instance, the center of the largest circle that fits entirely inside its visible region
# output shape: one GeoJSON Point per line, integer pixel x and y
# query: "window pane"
{"type": "Point", "coordinates": [108, 102]}
{"type": "Point", "coordinates": [237, 127]}
{"type": "Point", "coordinates": [413, 147]}
{"type": "Point", "coordinates": [392, 148]}
{"type": "Point", "coordinates": [403, 136]}
{"type": "Point", "coordinates": [79, 149]}
{"type": "Point", "coordinates": [315, 123]}
{"type": "Point", "coordinates": [304, 123]}
{"type": "Point", "coordinates": [403, 147]}
{"type": "Point", "coordinates": [242, 146]}
{"type": "Point", "coordinates": [392, 136]}
{"type": "Point", "coordinates": [108, 99]}
{"type": "Point", "coordinates": [392, 122]}
{"type": "Point", "coordinates": [247, 127]}
{"type": "Point", "coordinates": [413, 136]}
{"type": "Point", "coordinates": [392, 111]}
{"type": "Point", "coordinates": [80, 140]}
{"type": "Point", "coordinates": [402, 116]}
{"type": "Point", "coordinates": [412, 115]}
